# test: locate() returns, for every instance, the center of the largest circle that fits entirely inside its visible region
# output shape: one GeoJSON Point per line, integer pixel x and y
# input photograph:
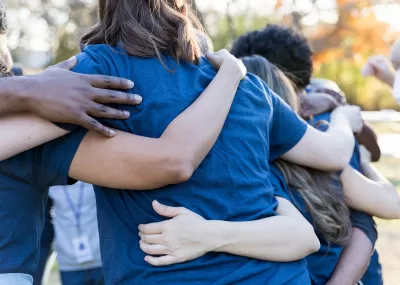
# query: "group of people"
{"type": "Point", "coordinates": [212, 168]}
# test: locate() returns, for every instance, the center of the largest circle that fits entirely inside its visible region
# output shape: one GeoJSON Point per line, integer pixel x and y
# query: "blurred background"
{"type": "Point", "coordinates": [343, 33]}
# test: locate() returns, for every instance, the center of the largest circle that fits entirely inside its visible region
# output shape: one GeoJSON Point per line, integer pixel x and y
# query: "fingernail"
{"type": "Point", "coordinates": [137, 98]}
{"type": "Point", "coordinates": [111, 133]}
{"type": "Point", "coordinates": [130, 84]}
{"type": "Point", "coordinates": [126, 114]}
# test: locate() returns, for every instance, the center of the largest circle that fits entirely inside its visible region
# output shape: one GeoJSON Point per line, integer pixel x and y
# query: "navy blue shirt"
{"type": "Point", "coordinates": [322, 263]}
{"type": "Point", "coordinates": [24, 183]}
{"type": "Point", "coordinates": [231, 183]}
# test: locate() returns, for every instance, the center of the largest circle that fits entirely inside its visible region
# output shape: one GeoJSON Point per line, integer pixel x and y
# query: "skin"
{"type": "Point", "coordinates": [371, 193]}
{"type": "Point", "coordinates": [51, 96]}
{"type": "Point", "coordinates": [317, 103]}
{"type": "Point", "coordinates": [150, 162]}
{"type": "Point", "coordinates": [353, 261]}
{"type": "Point", "coordinates": [187, 236]}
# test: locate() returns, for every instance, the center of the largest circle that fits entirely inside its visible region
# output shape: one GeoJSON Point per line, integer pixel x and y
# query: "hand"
{"type": "Point", "coordinates": [223, 57]}
{"type": "Point", "coordinates": [316, 103]}
{"type": "Point", "coordinates": [381, 68]}
{"type": "Point", "coordinates": [177, 240]}
{"type": "Point", "coordinates": [62, 96]}
{"type": "Point", "coordinates": [365, 155]}
{"type": "Point", "coordinates": [353, 115]}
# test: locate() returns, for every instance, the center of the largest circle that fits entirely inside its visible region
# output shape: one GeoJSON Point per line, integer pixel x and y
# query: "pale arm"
{"type": "Point", "coordinates": [371, 193]}
{"type": "Point", "coordinates": [149, 163]}
{"type": "Point", "coordinates": [353, 261]}
{"type": "Point", "coordinates": [282, 238]}
{"type": "Point", "coordinates": [330, 150]}
{"type": "Point", "coordinates": [188, 236]}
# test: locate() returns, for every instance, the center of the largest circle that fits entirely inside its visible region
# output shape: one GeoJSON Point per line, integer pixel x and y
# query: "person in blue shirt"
{"type": "Point", "coordinates": [291, 52]}
{"type": "Point", "coordinates": [257, 115]}
{"type": "Point", "coordinates": [315, 194]}
{"type": "Point", "coordinates": [32, 172]}
{"type": "Point", "coordinates": [232, 182]}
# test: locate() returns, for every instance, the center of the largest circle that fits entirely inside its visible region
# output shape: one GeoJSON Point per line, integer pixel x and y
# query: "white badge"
{"type": "Point", "coordinates": [82, 249]}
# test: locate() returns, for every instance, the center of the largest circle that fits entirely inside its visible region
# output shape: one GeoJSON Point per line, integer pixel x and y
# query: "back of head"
{"type": "Point", "coordinates": [281, 46]}
{"type": "Point", "coordinates": [147, 28]}
{"type": "Point", "coordinates": [318, 189]}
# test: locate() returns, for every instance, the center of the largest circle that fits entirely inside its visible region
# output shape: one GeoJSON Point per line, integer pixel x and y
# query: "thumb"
{"type": "Point", "coordinates": [67, 64]}
{"type": "Point", "coordinates": [166, 211]}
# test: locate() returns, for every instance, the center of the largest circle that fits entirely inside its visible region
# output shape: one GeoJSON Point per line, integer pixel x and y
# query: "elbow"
{"type": "Point", "coordinates": [183, 172]}
{"type": "Point", "coordinates": [313, 241]}
{"type": "Point", "coordinates": [181, 167]}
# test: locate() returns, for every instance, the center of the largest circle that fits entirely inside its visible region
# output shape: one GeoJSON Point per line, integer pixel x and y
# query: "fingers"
{"type": "Point", "coordinates": [93, 125]}
{"type": "Point", "coordinates": [162, 260]}
{"type": "Point", "coordinates": [102, 111]}
{"type": "Point", "coordinates": [108, 96]}
{"type": "Point", "coordinates": [109, 82]}
{"type": "Point", "coordinates": [151, 229]}
{"type": "Point", "coordinates": [152, 239]}
{"type": "Point", "coordinates": [153, 249]}
{"type": "Point", "coordinates": [67, 64]}
{"type": "Point", "coordinates": [167, 211]}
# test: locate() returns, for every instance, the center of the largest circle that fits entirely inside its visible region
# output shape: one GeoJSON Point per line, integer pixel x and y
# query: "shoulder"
{"type": "Point", "coordinates": [96, 59]}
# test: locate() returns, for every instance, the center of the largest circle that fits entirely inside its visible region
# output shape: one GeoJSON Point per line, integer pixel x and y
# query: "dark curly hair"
{"type": "Point", "coordinates": [3, 18]}
{"type": "Point", "coordinates": [282, 47]}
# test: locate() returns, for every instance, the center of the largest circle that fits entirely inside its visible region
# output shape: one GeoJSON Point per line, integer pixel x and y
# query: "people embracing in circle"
{"type": "Point", "coordinates": [212, 173]}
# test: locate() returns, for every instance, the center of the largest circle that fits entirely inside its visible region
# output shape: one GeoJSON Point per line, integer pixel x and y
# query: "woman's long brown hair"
{"type": "Point", "coordinates": [147, 28]}
{"type": "Point", "coordinates": [318, 189]}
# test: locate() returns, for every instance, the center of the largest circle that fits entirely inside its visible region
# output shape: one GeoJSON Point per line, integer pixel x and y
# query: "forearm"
{"type": "Point", "coordinates": [339, 141]}
{"type": "Point", "coordinates": [371, 193]}
{"type": "Point", "coordinates": [152, 163]}
{"type": "Point", "coordinates": [13, 99]}
{"type": "Point", "coordinates": [278, 238]}
{"type": "Point", "coordinates": [193, 133]}
{"type": "Point", "coordinates": [353, 261]}
{"type": "Point", "coordinates": [25, 131]}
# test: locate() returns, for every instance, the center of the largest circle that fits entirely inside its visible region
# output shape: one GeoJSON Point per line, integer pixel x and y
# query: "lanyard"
{"type": "Point", "coordinates": [76, 209]}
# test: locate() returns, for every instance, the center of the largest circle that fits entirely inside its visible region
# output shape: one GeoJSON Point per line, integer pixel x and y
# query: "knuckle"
{"type": "Point", "coordinates": [107, 79]}
{"type": "Point", "coordinates": [112, 94]}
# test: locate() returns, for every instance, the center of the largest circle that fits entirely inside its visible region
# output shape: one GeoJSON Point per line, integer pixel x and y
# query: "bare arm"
{"type": "Point", "coordinates": [188, 236]}
{"type": "Point", "coordinates": [372, 193]}
{"type": "Point", "coordinates": [151, 163]}
{"type": "Point", "coordinates": [330, 150]}
{"type": "Point", "coordinates": [353, 261]}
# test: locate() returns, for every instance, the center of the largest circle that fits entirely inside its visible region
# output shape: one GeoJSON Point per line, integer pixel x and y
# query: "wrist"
{"type": "Point", "coordinates": [234, 68]}
{"type": "Point", "coordinates": [18, 89]}
{"type": "Point", "coordinates": [215, 236]}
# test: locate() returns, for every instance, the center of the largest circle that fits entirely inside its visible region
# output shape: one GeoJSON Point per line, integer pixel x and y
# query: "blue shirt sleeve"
{"type": "Point", "coordinates": [278, 183]}
{"type": "Point", "coordinates": [287, 128]}
{"type": "Point", "coordinates": [365, 223]}
{"type": "Point", "coordinates": [53, 159]}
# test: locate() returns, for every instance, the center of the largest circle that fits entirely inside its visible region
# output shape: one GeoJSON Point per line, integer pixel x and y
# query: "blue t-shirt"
{"type": "Point", "coordinates": [322, 263]}
{"type": "Point", "coordinates": [24, 183]}
{"type": "Point", "coordinates": [231, 183]}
